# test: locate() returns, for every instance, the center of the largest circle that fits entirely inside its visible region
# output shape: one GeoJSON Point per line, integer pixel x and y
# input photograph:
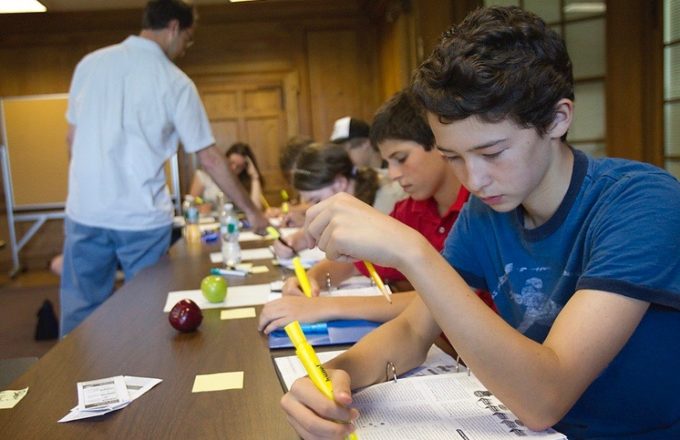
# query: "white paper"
{"type": "Point", "coordinates": [452, 405]}
{"type": "Point", "coordinates": [251, 236]}
{"type": "Point", "coordinates": [437, 362]}
{"type": "Point", "coordinates": [354, 286]}
{"type": "Point", "coordinates": [308, 258]}
{"type": "Point", "coordinates": [136, 386]}
{"type": "Point", "coordinates": [246, 255]}
{"type": "Point", "coordinates": [237, 296]}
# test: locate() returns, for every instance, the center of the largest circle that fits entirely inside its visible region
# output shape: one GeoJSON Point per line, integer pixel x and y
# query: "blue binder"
{"type": "Point", "coordinates": [326, 333]}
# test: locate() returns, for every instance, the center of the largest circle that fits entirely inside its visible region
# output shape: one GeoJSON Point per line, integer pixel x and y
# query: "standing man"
{"type": "Point", "coordinates": [129, 105]}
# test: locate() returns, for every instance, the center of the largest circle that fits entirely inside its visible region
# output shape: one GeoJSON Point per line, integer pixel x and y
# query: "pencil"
{"type": "Point", "coordinates": [387, 293]}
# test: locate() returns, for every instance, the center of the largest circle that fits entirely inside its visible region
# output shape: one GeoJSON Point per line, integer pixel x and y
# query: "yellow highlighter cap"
{"type": "Point", "coordinates": [271, 230]}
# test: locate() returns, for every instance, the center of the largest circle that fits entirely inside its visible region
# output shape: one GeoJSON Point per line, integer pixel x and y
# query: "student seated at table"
{"type": "Point", "coordinates": [404, 139]}
{"type": "Point", "coordinates": [580, 254]}
{"type": "Point", "coordinates": [293, 215]}
{"type": "Point", "coordinates": [243, 163]}
{"type": "Point", "coordinates": [322, 170]}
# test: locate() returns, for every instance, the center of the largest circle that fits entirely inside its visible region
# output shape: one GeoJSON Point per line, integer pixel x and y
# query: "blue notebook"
{"type": "Point", "coordinates": [326, 333]}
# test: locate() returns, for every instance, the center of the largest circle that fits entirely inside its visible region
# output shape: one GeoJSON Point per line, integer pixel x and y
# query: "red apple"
{"type": "Point", "coordinates": [185, 316]}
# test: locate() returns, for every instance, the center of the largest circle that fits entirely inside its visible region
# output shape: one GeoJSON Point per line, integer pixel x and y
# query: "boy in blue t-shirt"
{"type": "Point", "coordinates": [581, 255]}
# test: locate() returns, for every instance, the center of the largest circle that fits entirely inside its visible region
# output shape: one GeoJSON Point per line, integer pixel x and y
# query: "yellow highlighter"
{"type": "Point", "coordinates": [284, 203]}
{"type": "Point", "coordinates": [310, 361]}
{"type": "Point", "coordinates": [302, 277]}
{"type": "Point", "coordinates": [387, 293]}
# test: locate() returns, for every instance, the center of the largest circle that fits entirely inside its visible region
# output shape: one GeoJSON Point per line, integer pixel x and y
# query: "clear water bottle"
{"type": "Point", "coordinates": [229, 231]}
{"type": "Point", "coordinates": [192, 232]}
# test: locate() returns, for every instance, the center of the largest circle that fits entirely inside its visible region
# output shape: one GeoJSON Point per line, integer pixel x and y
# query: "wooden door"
{"type": "Point", "coordinates": [259, 112]}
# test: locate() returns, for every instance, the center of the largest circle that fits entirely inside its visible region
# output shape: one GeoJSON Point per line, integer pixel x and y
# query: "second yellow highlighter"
{"type": "Point", "coordinates": [310, 361]}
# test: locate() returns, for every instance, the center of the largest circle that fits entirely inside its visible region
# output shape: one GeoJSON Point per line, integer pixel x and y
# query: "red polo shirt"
{"type": "Point", "coordinates": [423, 216]}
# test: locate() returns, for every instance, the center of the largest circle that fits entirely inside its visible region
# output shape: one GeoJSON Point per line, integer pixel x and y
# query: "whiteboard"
{"type": "Point", "coordinates": [34, 130]}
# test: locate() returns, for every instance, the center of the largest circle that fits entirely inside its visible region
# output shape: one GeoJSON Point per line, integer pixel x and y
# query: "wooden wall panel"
{"type": "Point", "coordinates": [396, 54]}
{"type": "Point", "coordinates": [634, 80]}
{"type": "Point", "coordinates": [340, 79]}
{"type": "Point", "coordinates": [247, 44]}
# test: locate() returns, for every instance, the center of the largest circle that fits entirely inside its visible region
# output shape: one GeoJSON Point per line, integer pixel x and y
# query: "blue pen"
{"type": "Point", "coordinates": [309, 328]}
{"type": "Point", "coordinates": [228, 272]}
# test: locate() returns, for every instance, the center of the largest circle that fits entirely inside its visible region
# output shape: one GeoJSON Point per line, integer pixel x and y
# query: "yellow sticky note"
{"type": "Point", "coordinates": [245, 312]}
{"type": "Point", "coordinates": [218, 382]}
{"type": "Point", "coordinates": [244, 266]}
{"type": "Point", "coordinates": [259, 269]}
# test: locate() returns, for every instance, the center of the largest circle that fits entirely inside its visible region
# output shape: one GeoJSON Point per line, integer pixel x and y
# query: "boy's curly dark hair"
{"type": "Point", "coordinates": [499, 62]}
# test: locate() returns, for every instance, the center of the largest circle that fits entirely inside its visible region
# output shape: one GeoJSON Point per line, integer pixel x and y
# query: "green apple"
{"type": "Point", "coordinates": [214, 288]}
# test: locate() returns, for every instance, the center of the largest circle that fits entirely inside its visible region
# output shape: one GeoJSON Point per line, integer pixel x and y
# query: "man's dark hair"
{"type": "Point", "coordinates": [158, 13]}
{"type": "Point", "coordinates": [499, 62]}
{"type": "Point", "coordinates": [401, 118]}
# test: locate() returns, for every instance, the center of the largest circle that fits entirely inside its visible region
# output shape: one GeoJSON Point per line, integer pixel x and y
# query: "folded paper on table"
{"type": "Point", "coordinates": [337, 332]}
{"type": "Point", "coordinates": [237, 296]}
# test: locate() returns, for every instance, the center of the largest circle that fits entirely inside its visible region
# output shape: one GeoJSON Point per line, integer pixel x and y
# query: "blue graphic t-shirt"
{"type": "Point", "coordinates": [617, 230]}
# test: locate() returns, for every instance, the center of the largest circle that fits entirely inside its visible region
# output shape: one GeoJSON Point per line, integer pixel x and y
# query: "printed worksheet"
{"type": "Point", "coordinates": [447, 406]}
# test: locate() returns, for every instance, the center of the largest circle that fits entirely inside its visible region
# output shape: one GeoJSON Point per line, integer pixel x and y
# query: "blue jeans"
{"type": "Point", "coordinates": [91, 258]}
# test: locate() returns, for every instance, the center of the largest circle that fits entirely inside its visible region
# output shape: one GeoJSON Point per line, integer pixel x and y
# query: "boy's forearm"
{"type": "Point", "coordinates": [337, 272]}
{"type": "Point", "coordinates": [366, 361]}
{"type": "Point", "coordinates": [370, 308]}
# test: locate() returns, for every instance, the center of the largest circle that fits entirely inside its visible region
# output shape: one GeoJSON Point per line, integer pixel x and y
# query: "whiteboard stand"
{"type": "Point", "coordinates": [38, 218]}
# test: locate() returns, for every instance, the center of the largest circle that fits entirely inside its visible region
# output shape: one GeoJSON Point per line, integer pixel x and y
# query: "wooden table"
{"type": "Point", "coordinates": [130, 335]}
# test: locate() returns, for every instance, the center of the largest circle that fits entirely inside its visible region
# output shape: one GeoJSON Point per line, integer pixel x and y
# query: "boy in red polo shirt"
{"type": "Point", "coordinates": [405, 140]}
